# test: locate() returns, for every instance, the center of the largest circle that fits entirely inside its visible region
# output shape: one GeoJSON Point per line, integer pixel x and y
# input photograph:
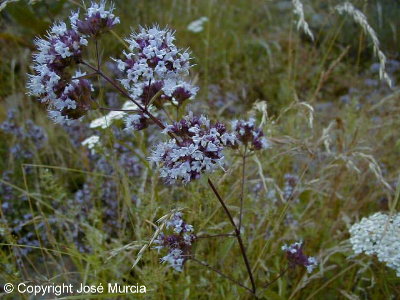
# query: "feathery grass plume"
{"type": "Point", "coordinates": [361, 20]}
{"type": "Point", "coordinates": [375, 168]}
{"type": "Point", "coordinates": [301, 23]}
{"type": "Point", "coordinates": [262, 107]}
{"type": "Point", "coordinates": [162, 223]}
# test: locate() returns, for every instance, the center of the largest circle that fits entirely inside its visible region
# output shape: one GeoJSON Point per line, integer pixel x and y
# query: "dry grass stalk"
{"type": "Point", "coordinates": [301, 23]}
{"type": "Point", "coordinates": [361, 20]}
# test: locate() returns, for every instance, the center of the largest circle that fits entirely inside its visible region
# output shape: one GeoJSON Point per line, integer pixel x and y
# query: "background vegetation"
{"type": "Point", "coordinates": [65, 217]}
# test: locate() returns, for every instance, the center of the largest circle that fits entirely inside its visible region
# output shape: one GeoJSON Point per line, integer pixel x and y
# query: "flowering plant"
{"type": "Point", "coordinates": [153, 76]}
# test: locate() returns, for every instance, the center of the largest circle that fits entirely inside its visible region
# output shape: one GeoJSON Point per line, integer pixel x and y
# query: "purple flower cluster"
{"type": "Point", "coordinates": [178, 243]}
{"type": "Point", "coordinates": [136, 122]}
{"type": "Point", "coordinates": [67, 95]}
{"type": "Point", "coordinates": [291, 182]}
{"type": "Point", "coordinates": [81, 205]}
{"type": "Point", "coordinates": [97, 20]}
{"type": "Point", "coordinates": [155, 69]}
{"type": "Point", "coordinates": [27, 135]}
{"type": "Point", "coordinates": [10, 126]}
{"type": "Point", "coordinates": [109, 199]}
{"type": "Point", "coordinates": [77, 132]}
{"type": "Point", "coordinates": [248, 134]}
{"type": "Point", "coordinates": [296, 257]}
{"type": "Point", "coordinates": [51, 82]}
{"type": "Point", "coordinates": [127, 159]}
{"type": "Point", "coordinates": [79, 208]}
{"type": "Point", "coordinates": [130, 163]}
{"type": "Point", "coordinates": [29, 233]}
{"type": "Point", "coordinates": [197, 149]}
{"type": "Point", "coordinates": [6, 192]}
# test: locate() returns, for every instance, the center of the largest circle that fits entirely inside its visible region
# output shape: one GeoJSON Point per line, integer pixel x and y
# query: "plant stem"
{"type": "Point", "coordinates": [97, 54]}
{"type": "Point", "coordinates": [84, 76]}
{"type": "Point", "coordinates": [126, 95]}
{"type": "Point", "coordinates": [216, 235]}
{"type": "Point", "coordinates": [162, 126]}
{"type": "Point", "coordinates": [118, 109]}
{"type": "Point", "coordinates": [210, 183]}
{"type": "Point", "coordinates": [238, 236]}
{"type": "Point", "coordinates": [242, 189]}
{"type": "Point", "coordinates": [220, 273]}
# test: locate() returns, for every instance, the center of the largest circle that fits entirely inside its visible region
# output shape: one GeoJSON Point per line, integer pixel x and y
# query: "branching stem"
{"type": "Point", "coordinates": [216, 235]}
{"type": "Point", "coordinates": [126, 95]}
{"type": "Point", "coordinates": [144, 110]}
{"type": "Point", "coordinates": [118, 109]}
{"type": "Point", "coordinates": [238, 235]}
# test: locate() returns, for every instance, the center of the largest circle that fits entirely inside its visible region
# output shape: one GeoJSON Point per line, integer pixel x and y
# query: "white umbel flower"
{"type": "Point", "coordinates": [106, 121]}
{"type": "Point", "coordinates": [197, 25]}
{"type": "Point", "coordinates": [378, 235]}
{"type": "Point", "coordinates": [91, 142]}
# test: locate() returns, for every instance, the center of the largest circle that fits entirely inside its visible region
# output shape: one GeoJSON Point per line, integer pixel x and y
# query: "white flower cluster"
{"type": "Point", "coordinates": [91, 142]}
{"type": "Point", "coordinates": [378, 235]}
{"type": "Point", "coordinates": [106, 121]}
{"type": "Point", "coordinates": [197, 25]}
{"type": "Point", "coordinates": [296, 256]}
{"type": "Point", "coordinates": [178, 243]}
{"type": "Point", "coordinates": [249, 134]}
{"type": "Point", "coordinates": [199, 149]}
{"type": "Point", "coordinates": [155, 65]}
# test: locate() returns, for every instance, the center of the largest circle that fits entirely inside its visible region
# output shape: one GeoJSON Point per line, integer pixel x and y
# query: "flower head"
{"type": "Point", "coordinates": [107, 120]}
{"type": "Point", "coordinates": [61, 46]}
{"type": "Point", "coordinates": [136, 122]}
{"type": "Point", "coordinates": [91, 142]}
{"type": "Point", "coordinates": [68, 97]}
{"type": "Point", "coordinates": [154, 66]}
{"type": "Point", "coordinates": [26, 136]}
{"type": "Point", "coordinates": [296, 257]}
{"type": "Point", "coordinates": [97, 19]}
{"type": "Point", "coordinates": [249, 134]}
{"type": "Point", "coordinates": [291, 182]}
{"type": "Point", "coordinates": [378, 235]}
{"type": "Point", "coordinates": [178, 243]}
{"type": "Point", "coordinates": [197, 25]}
{"type": "Point", "coordinates": [199, 149]}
